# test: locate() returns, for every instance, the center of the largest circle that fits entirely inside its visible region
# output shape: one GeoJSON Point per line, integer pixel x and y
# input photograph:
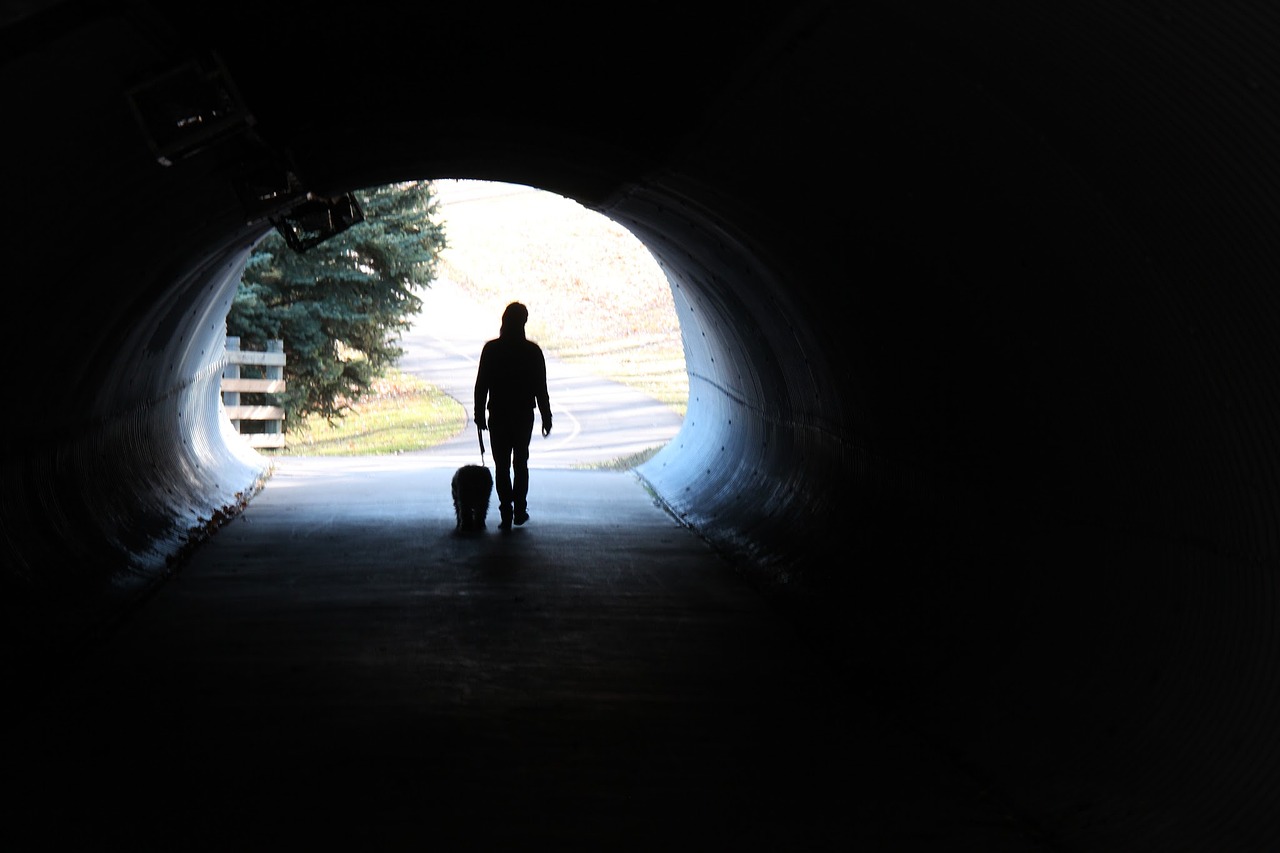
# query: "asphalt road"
{"type": "Point", "coordinates": [595, 420]}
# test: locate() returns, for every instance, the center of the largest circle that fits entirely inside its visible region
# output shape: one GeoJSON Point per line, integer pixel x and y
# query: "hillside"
{"type": "Point", "coordinates": [595, 294]}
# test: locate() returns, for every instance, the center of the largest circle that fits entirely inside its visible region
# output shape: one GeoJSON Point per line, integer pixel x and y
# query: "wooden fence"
{"type": "Point", "coordinates": [272, 362]}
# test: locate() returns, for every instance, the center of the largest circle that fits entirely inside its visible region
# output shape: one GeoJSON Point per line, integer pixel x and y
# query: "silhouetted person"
{"type": "Point", "coordinates": [512, 379]}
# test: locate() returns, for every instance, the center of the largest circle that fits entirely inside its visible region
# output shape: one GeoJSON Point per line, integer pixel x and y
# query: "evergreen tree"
{"type": "Point", "coordinates": [340, 305]}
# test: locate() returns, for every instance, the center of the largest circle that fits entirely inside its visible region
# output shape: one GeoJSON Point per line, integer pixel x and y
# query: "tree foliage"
{"type": "Point", "coordinates": [340, 306]}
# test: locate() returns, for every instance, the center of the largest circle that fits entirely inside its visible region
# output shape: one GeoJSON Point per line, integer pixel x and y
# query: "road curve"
{"type": "Point", "coordinates": [596, 420]}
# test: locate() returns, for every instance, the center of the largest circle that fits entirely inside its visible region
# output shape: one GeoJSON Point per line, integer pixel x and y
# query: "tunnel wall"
{"type": "Point", "coordinates": [748, 407]}
{"type": "Point", "coordinates": [949, 395]}
{"type": "Point", "coordinates": [99, 510]}
{"type": "Point", "coordinates": [118, 458]}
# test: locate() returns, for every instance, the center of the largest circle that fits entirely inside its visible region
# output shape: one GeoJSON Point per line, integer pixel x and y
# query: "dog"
{"type": "Point", "coordinates": [472, 485]}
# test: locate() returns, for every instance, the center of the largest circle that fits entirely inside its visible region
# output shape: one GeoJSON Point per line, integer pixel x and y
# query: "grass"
{"type": "Point", "coordinates": [402, 413]}
{"type": "Point", "coordinates": [596, 298]}
{"type": "Point", "coordinates": [623, 463]}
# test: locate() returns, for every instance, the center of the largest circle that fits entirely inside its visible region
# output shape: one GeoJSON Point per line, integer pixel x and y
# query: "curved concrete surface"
{"type": "Point", "coordinates": [978, 302]}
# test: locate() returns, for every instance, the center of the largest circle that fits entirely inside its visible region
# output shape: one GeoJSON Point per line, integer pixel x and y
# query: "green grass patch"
{"type": "Point", "coordinates": [625, 463]}
{"type": "Point", "coordinates": [401, 414]}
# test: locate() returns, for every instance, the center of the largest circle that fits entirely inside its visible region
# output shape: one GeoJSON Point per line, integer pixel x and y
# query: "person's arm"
{"type": "Point", "coordinates": [541, 395]}
{"type": "Point", "coordinates": [481, 390]}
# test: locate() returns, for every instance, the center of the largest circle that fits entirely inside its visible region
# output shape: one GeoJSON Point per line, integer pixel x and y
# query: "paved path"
{"type": "Point", "coordinates": [338, 669]}
{"type": "Point", "coordinates": [595, 420]}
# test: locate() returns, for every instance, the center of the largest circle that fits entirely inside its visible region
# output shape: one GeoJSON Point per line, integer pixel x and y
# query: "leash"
{"type": "Point", "coordinates": [480, 435]}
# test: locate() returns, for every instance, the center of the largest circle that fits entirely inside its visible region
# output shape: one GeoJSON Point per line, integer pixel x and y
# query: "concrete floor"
{"type": "Point", "coordinates": [339, 668]}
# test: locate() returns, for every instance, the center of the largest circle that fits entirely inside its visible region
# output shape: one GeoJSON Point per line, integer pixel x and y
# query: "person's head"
{"type": "Point", "coordinates": [514, 318]}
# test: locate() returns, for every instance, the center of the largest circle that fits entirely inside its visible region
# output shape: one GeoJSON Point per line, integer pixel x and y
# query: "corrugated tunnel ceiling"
{"type": "Point", "coordinates": [980, 306]}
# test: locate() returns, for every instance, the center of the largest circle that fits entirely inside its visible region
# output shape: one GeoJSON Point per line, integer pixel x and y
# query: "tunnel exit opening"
{"type": "Point", "coordinates": [600, 304]}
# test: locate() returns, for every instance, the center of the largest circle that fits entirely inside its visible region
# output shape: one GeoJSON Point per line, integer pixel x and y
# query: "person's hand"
{"type": "Point", "coordinates": [546, 426]}
{"type": "Point", "coordinates": [481, 424]}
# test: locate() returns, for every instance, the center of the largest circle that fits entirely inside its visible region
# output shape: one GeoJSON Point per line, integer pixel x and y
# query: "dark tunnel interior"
{"type": "Point", "coordinates": [979, 297]}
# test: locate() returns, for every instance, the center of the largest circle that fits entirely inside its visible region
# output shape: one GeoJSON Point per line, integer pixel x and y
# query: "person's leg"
{"type": "Point", "coordinates": [520, 465]}
{"type": "Point", "coordinates": [500, 443]}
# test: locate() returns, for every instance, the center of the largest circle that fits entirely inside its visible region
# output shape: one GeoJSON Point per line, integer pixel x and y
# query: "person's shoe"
{"type": "Point", "coordinates": [521, 516]}
{"type": "Point", "coordinates": [505, 523]}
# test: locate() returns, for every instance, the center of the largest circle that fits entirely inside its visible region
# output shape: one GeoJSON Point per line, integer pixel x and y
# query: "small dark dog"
{"type": "Point", "coordinates": [472, 485]}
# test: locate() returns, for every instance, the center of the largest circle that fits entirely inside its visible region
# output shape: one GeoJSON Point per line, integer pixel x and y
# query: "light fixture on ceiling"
{"type": "Point", "coordinates": [317, 219]}
{"type": "Point", "coordinates": [187, 108]}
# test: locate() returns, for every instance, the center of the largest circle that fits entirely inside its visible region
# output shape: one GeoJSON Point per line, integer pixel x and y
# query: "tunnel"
{"type": "Point", "coordinates": [979, 304]}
